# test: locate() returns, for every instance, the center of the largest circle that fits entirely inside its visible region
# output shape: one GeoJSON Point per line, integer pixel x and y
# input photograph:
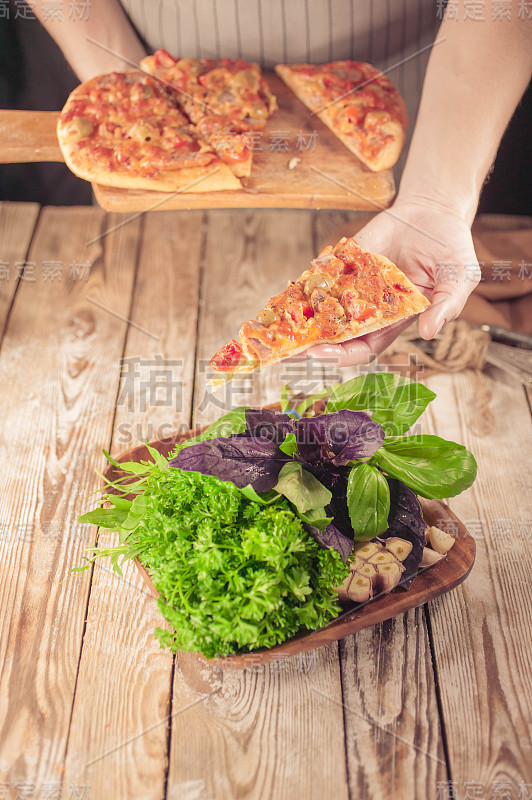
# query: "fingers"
{"type": "Point", "coordinates": [447, 302]}
{"type": "Point", "coordinates": [361, 350]}
{"type": "Point", "coordinates": [347, 354]}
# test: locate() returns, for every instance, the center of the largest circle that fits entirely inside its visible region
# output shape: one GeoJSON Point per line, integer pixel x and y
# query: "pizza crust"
{"type": "Point", "coordinates": [211, 178]}
{"type": "Point", "coordinates": [396, 128]}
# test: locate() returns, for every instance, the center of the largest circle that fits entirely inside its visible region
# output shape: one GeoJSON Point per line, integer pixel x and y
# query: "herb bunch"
{"type": "Point", "coordinates": [233, 573]}
{"type": "Point", "coordinates": [245, 529]}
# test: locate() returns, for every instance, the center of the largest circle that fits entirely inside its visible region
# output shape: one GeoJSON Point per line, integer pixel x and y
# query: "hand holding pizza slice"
{"type": "Point", "coordinates": [347, 292]}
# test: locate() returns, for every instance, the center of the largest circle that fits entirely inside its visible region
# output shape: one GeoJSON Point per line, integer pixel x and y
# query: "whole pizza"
{"type": "Point", "coordinates": [125, 129]}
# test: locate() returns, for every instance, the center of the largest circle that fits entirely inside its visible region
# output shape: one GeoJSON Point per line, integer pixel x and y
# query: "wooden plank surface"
{"type": "Point", "coordinates": [82, 679]}
{"type": "Point", "coordinates": [124, 681]}
{"type": "Point", "coordinates": [259, 732]}
{"type": "Point", "coordinates": [394, 743]}
{"type": "Point", "coordinates": [482, 630]}
{"type": "Point", "coordinates": [17, 222]}
{"type": "Point", "coordinates": [27, 136]}
{"type": "Point", "coordinates": [59, 378]}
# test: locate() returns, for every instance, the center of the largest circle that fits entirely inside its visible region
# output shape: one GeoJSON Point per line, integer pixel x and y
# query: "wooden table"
{"type": "Point", "coordinates": [107, 307]}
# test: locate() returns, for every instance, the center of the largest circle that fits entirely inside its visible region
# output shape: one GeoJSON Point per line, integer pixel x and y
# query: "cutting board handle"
{"type": "Point", "coordinates": [28, 136]}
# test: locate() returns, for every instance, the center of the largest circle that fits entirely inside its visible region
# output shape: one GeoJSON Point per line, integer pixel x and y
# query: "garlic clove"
{"type": "Point", "coordinates": [342, 591]}
{"type": "Point", "coordinates": [367, 550]}
{"type": "Point", "coordinates": [367, 569]}
{"type": "Point", "coordinates": [430, 557]}
{"type": "Point", "coordinates": [401, 548]}
{"type": "Point", "coordinates": [440, 541]}
{"type": "Point", "coordinates": [388, 576]}
{"type": "Point", "coordinates": [382, 558]}
{"type": "Point", "coordinates": [360, 589]}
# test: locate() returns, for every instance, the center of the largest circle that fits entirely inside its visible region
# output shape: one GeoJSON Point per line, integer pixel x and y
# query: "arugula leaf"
{"type": "Point", "coordinates": [106, 517]}
{"type": "Point", "coordinates": [368, 501]}
{"type": "Point", "coordinates": [160, 460]}
{"type": "Point", "coordinates": [289, 446]}
{"type": "Point", "coordinates": [285, 399]}
{"type": "Point", "coordinates": [432, 467]}
{"type": "Point", "coordinates": [393, 401]}
{"type": "Point", "coordinates": [315, 517]}
{"type": "Point", "coordinates": [302, 488]}
{"type": "Point", "coordinates": [265, 499]}
{"type": "Point", "coordinates": [305, 404]}
{"type": "Point", "coordinates": [110, 459]}
{"type": "Point", "coordinates": [232, 422]}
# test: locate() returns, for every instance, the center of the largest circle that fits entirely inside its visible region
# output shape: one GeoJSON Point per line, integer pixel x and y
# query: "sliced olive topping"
{"type": "Point", "coordinates": [267, 317]}
{"type": "Point", "coordinates": [77, 129]}
{"type": "Point", "coordinates": [316, 281]}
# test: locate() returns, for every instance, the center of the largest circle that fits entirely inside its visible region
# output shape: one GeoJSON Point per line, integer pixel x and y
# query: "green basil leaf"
{"type": "Point", "coordinates": [316, 517]}
{"type": "Point", "coordinates": [305, 404]}
{"type": "Point", "coordinates": [302, 488]}
{"type": "Point", "coordinates": [430, 466]}
{"type": "Point", "coordinates": [391, 400]}
{"type": "Point", "coordinates": [368, 501]}
{"type": "Point", "coordinates": [289, 446]}
{"type": "Point", "coordinates": [265, 499]}
{"type": "Point", "coordinates": [232, 422]}
{"type": "Point", "coordinates": [285, 400]}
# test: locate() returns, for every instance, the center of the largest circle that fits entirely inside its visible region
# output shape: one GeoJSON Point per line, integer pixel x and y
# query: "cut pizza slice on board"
{"type": "Point", "coordinates": [347, 292]}
{"type": "Point", "coordinates": [357, 103]}
{"type": "Point", "coordinates": [226, 99]}
{"type": "Point", "coordinates": [125, 130]}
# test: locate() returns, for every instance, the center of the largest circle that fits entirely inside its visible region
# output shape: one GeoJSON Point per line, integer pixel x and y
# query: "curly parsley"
{"type": "Point", "coordinates": [233, 574]}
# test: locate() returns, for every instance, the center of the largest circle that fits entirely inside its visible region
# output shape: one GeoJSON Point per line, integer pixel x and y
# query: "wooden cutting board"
{"type": "Point", "coordinates": [327, 176]}
{"type": "Point", "coordinates": [428, 583]}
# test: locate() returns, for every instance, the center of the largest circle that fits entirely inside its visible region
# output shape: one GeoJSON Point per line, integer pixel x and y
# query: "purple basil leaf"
{"type": "Point", "coordinates": [241, 459]}
{"type": "Point", "coordinates": [333, 539]}
{"type": "Point", "coordinates": [406, 522]}
{"type": "Point", "coordinates": [268, 423]}
{"type": "Point", "coordinates": [338, 438]}
{"type": "Point", "coordinates": [335, 479]}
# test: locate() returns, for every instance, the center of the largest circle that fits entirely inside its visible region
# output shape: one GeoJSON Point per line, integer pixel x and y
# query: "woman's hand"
{"type": "Point", "coordinates": [431, 244]}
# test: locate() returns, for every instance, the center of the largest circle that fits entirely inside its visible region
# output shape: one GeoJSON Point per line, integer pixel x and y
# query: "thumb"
{"type": "Point", "coordinates": [376, 235]}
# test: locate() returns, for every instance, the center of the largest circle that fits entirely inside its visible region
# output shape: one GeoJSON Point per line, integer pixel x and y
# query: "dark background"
{"type": "Point", "coordinates": [34, 75]}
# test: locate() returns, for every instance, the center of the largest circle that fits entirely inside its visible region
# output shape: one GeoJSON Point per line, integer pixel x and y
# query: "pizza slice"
{"type": "Point", "coordinates": [226, 99]}
{"type": "Point", "coordinates": [357, 103]}
{"type": "Point", "coordinates": [347, 292]}
{"type": "Point", "coordinates": [126, 130]}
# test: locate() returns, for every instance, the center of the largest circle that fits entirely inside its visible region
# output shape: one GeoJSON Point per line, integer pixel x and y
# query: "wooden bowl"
{"type": "Point", "coordinates": [428, 584]}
